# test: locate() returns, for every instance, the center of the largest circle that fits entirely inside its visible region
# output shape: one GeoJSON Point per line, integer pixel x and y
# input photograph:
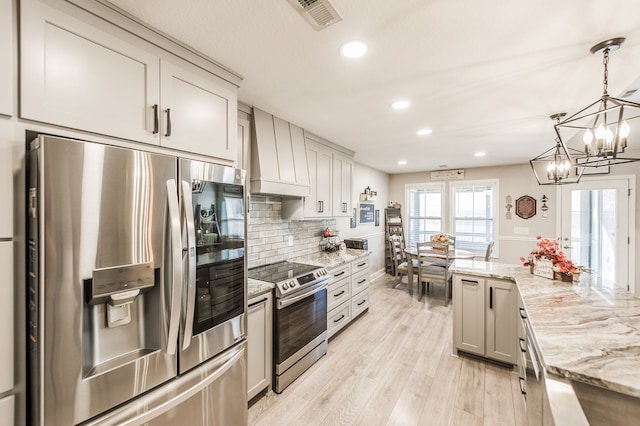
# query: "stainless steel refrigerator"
{"type": "Point", "coordinates": [136, 287]}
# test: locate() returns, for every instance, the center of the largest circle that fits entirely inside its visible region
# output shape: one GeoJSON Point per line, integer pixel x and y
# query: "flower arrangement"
{"type": "Point", "coordinates": [550, 249]}
{"type": "Point", "coordinates": [442, 238]}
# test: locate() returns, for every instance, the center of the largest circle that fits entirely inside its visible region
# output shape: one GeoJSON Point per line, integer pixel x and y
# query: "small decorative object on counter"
{"type": "Point", "coordinates": [330, 240]}
{"type": "Point", "coordinates": [549, 261]}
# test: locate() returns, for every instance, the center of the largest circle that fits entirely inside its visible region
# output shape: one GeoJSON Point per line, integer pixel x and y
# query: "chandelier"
{"type": "Point", "coordinates": [603, 126]}
{"type": "Point", "coordinates": [553, 167]}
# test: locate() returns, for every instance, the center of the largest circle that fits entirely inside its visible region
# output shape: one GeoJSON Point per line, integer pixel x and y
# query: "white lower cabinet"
{"type": "Point", "coordinates": [259, 344]}
{"type": "Point", "coordinates": [485, 317]}
{"type": "Point", "coordinates": [348, 294]}
{"type": "Point", "coordinates": [7, 410]}
{"type": "Point", "coordinates": [6, 317]}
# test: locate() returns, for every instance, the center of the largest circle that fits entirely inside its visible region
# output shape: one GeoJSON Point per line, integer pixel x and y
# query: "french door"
{"type": "Point", "coordinates": [595, 227]}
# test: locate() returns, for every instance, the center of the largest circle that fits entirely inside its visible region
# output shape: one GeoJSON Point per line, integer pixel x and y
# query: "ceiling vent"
{"type": "Point", "coordinates": [319, 13]}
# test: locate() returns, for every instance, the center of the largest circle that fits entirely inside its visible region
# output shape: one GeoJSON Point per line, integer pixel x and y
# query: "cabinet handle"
{"type": "Point", "coordinates": [320, 206]}
{"type": "Point", "coordinates": [339, 319]}
{"type": "Point", "coordinates": [362, 303]}
{"type": "Point", "coordinates": [344, 207]}
{"type": "Point", "coordinates": [361, 265]}
{"type": "Point", "coordinates": [522, 348]}
{"type": "Point", "coordinates": [360, 282]}
{"type": "Point", "coordinates": [257, 303]}
{"type": "Point", "coordinates": [470, 282]}
{"type": "Point", "coordinates": [338, 274]}
{"type": "Point", "coordinates": [168, 122]}
{"type": "Point", "coordinates": [155, 119]}
{"type": "Point", "coordinates": [523, 313]}
{"type": "Point", "coordinates": [522, 386]}
{"type": "Point", "coordinates": [339, 294]}
{"type": "Point", "coordinates": [490, 297]}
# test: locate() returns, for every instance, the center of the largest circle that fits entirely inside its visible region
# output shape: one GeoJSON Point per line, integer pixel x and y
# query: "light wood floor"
{"type": "Point", "coordinates": [393, 366]}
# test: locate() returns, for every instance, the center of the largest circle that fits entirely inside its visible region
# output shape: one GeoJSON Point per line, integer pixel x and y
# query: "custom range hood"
{"type": "Point", "coordinates": [278, 157]}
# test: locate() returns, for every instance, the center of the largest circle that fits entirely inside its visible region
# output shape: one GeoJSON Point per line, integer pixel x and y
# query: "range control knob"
{"type": "Point", "coordinates": [292, 284]}
{"type": "Point", "coordinates": [285, 286]}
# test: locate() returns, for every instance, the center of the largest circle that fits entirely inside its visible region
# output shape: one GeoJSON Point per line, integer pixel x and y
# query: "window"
{"type": "Point", "coordinates": [424, 212]}
{"type": "Point", "coordinates": [474, 214]}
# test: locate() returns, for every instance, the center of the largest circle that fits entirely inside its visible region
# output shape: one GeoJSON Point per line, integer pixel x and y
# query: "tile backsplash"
{"type": "Point", "coordinates": [271, 239]}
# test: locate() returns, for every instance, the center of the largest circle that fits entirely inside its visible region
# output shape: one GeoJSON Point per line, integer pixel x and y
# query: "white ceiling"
{"type": "Point", "coordinates": [484, 75]}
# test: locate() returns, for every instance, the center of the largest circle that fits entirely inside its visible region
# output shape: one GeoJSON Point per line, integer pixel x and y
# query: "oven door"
{"type": "Point", "coordinates": [301, 324]}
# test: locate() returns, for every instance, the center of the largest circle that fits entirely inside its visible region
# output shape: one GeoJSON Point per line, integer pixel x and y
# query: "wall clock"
{"type": "Point", "coordinates": [526, 207]}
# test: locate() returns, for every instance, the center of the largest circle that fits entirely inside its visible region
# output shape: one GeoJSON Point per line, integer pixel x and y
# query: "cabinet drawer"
{"type": "Point", "coordinates": [359, 303]}
{"type": "Point", "coordinates": [360, 265]}
{"type": "Point", "coordinates": [338, 318]}
{"type": "Point", "coordinates": [342, 271]}
{"type": "Point", "coordinates": [337, 294]}
{"type": "Point", "coordinates": [359, 282]}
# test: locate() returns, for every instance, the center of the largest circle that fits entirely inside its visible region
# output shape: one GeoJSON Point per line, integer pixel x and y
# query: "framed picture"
{"type": "Point", "coordinates": [377, 218]}
{"type": "Point", "coordinates": [367, 213]}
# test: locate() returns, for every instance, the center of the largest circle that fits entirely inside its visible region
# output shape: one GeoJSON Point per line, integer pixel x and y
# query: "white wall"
{"type": "Point", "coordinates": [364, 176]}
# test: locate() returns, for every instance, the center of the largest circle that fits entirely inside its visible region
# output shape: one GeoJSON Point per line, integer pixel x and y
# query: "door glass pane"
{"type": "Point", "coordinates": [593, 230]}
{"type": "Point", "coordinates": [218, 210]}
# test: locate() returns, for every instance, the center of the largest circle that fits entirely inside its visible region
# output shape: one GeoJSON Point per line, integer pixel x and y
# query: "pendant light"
{"type": "Point", "coordinates": [554, 166]}
{"type": "Point", "coordinates": [605, 126]}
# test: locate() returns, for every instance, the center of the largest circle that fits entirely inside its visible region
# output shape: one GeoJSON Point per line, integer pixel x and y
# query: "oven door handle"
{"type": "Point", "coordinates": [288, 301]}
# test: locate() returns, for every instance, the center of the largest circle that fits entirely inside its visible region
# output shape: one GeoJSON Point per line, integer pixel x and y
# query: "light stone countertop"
{"type": "Point", "coordinates": [256, 288]}
{"type": "Point", "coordinates": [585, 331]}
{"type": "Point", "coordinates": [332, 259]}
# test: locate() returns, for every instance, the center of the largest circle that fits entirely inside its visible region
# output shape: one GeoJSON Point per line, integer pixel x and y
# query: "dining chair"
{"type": "Point", "coordinates": [487, 255]}
{"type": "Point", "coordinates": [399, 258]}
{"type": "Point", "coordinates": [433, 268]}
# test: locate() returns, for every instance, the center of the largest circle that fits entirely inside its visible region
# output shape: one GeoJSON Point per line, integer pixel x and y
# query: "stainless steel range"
{"type": "Point", "coordinates": [300, 325]}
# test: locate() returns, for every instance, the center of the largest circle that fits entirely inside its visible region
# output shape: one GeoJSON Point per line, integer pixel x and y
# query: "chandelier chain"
{"type": "Point", "coordinates": [605, 61]}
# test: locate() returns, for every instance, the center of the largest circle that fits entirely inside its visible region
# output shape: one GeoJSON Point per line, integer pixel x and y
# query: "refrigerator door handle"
{"type": "Point", "coordinates": [190, 251]}
{"type": "Point", "coordinates": [176, 266]}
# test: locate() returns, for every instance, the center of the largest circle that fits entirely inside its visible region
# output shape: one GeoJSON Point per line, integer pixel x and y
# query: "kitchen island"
{"type": "Point", "coordinates": [587, 332]}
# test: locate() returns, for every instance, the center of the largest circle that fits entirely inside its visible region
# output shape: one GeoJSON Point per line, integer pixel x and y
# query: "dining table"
{"type": "Point", "coordinates": [412, 254]}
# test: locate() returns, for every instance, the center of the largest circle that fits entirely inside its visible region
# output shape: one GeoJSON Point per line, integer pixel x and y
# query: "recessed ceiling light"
{"type": "Point", "coordinates": [400, 104]}
{"type": "Point", "coordinates": [480, 154]}
{"type": "Point", "coordinates": [423, 132]}
{"type": "Point", "coordinates": [402, 162]}
{"type": "Point", "coordinates": [353, 49]}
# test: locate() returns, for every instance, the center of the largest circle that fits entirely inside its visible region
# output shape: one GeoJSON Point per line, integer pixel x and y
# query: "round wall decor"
{"type": "Point", "coordinates": [526, 207]}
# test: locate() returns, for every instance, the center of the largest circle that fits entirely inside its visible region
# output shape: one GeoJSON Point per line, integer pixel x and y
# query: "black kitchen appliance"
{"type": "Point", "coordinates": [357, 243]}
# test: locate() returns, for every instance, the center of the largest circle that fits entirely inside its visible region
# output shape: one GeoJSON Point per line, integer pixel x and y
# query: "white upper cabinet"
{"type": "Point", "coordinates": [6, 53]}
{"type": "Point", "coordinates": [88, 75]}
{"type": "Point", "coordinates": [320, 160]}
{"type": "Point", "coordinates": [75, 75]}
{"type": "Point", "coordinates": [342, 178]}
{"type": "Point", "coordinates": [199, 112]}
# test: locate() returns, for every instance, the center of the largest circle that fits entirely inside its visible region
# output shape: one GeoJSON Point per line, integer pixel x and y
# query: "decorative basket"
{"type": "Point", "coordinates": [331, 244]}
{"type": "Point", "coordinates": [543, 267]}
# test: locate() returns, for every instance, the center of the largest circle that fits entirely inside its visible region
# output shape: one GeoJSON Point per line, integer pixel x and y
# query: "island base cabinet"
{"type": "Point", "coordinates": [259, 344]}
{"type": "Point", "coordinates": [501, 321]}
{"type": "Point", "coordinates": [469, 314]}
{"type": "Point", "coordinates": [485, 317]}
